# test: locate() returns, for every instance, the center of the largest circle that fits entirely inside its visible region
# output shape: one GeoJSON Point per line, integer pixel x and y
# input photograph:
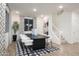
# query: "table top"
{"type": "Point", "coordinates": [36, 36]}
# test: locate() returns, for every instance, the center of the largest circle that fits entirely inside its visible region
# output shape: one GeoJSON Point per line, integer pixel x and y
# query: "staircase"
{"type": "Point", "coordinates": [57, 35]}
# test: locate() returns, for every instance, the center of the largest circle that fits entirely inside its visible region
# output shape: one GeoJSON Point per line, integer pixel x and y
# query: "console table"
{"type": "Point", "coordinates": [38, 41]}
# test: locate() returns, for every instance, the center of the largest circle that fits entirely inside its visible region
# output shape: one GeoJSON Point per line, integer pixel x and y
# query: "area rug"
{"type": "Point", "coordinates": [21, 50]}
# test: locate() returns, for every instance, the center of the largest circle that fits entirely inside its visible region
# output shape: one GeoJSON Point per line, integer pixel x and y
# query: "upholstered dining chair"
{"type": "Point", "coordinates": [26, 40]}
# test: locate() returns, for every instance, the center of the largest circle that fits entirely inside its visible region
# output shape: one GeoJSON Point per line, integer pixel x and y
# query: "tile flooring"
{"type": "Point", "coordinates": [65, 50]}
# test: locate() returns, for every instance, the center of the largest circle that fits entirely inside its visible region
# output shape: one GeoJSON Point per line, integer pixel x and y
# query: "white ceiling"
{"type": "Point", "coordinates": [26, 9]}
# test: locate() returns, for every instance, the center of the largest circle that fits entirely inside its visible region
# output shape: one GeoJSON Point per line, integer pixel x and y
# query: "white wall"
{"type": "Point", "coordinates": [68, 23]}
{"type": "Point", "coordinates": [21, 24]}
{"type": "Point", "coordinates": [63, 23]}
{"type": "Point", "coordinates": [75, 27]}
{"type": "Point", "coordinates": [51, 31]}
{"type": "Point", "coordinates": [13, 17]}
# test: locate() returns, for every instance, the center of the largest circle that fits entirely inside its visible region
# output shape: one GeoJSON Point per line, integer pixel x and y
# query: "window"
{"type": "Point", "coordinates": [28, 24]}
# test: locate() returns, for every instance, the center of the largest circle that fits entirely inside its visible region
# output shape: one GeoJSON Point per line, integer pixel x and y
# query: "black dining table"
{"type": "Point", "coordinates": [38, 41]}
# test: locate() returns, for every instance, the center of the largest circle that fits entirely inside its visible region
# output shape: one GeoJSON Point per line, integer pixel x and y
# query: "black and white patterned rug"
{"type": "Point", "coordinates": [21, 50]}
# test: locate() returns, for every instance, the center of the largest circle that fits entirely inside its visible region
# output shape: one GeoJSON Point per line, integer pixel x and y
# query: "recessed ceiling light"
{"type": "Point", "coordinates": [45, 19]}
{"type": "Point", "coordinates": [60, 6]}
{"type": "Point", "coordinates": [17, 12]}
{"type": "Point", "coordinates": [34, 9]}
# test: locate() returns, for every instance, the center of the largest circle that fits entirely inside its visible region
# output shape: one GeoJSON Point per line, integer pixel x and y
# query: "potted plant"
{"type": "Point", "coordinates": [15, 28]}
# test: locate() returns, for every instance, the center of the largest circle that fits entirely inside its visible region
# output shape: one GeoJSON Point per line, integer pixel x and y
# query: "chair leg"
{"type": "Point", "coordinates": [50, 44]}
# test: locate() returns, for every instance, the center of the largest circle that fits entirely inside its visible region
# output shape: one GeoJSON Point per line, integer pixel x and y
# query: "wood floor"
{"type": "Point", "coordinates": [11, 50]}
{"type": "Point", "coordinates": [65, 50]}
